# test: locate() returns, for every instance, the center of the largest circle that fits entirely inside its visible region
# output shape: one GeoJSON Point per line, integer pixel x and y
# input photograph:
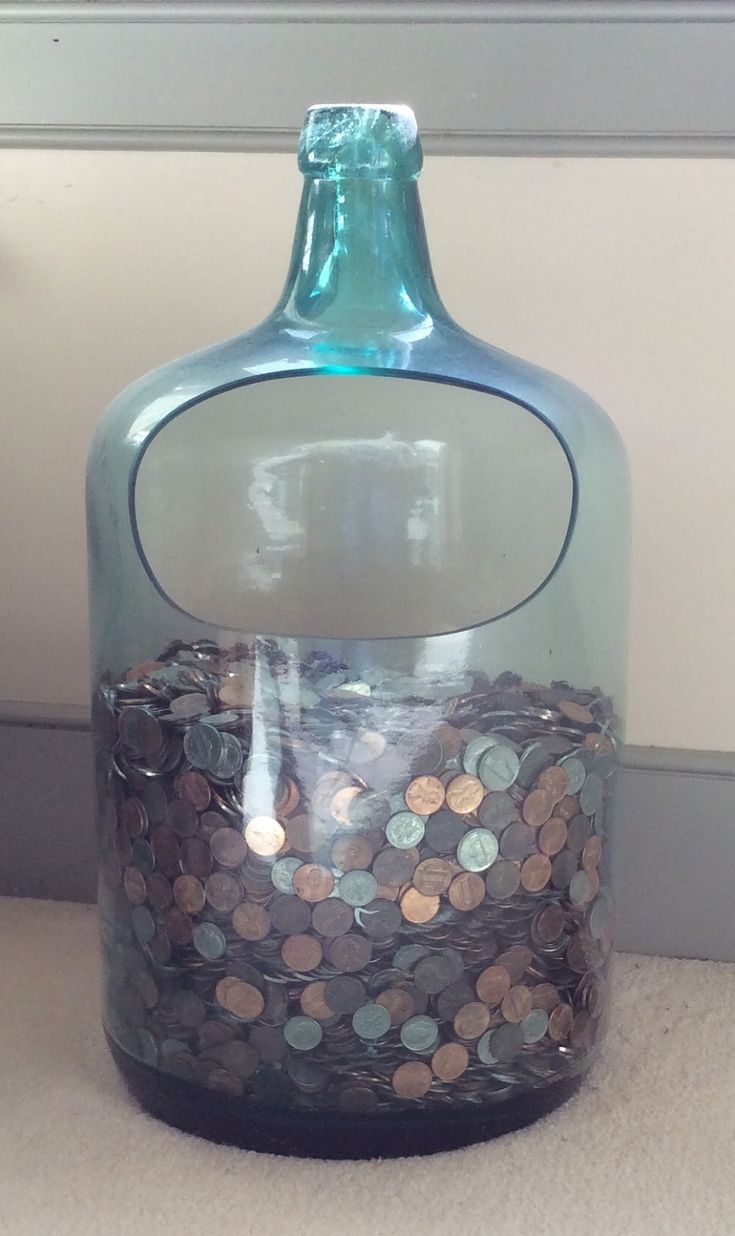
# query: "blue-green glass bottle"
{"type": "Point", "coordinates": [358, 598]}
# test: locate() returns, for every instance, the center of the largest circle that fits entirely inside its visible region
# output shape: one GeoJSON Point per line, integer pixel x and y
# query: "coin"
{"type": "Point", "coordinates": [424, 795]}
{"type": "Point", "coordinates": [412, 1080]}
{"type": "Point", "coordinates": [496, 811]}
{"type": "Point", "coordinates": [344, 994]}
{"type": "Point", "coordinates": [301, 953]}
{"type": "Point", "coordinates": [563, 869]}
{"type": "Point", "coordinates": [371, 1021]}
{"type": "Point", "coordinates": [518, 841]}
{"type": "Point", "coordinates": [506, 1043]}
{"type": "Point", "coordinates": [591, 854]}
{"type": "Point", "coordinates": [379, 919]}
{"type": "Point", "coordinates": [538, 806]}
{"type": "Point", "coordinates": [332, 917]}
{"type": "Point", "coordinates": [398, 1002]}
{"type": "Point", "coordinates": [282, 873]}
{"type": "Point", "coordinates": [591, 794]}
{"type": "Point", "coordinates": [349, 952]}
{"type": "Point", "coordinates": [416, 907]}
{"type": "Point", "coordinates": [223, 891]}
{"type": "Point", "coordinates": [209, 941]}
{"type": "Point", "coordinates": [340, 802]}
{"type": "Point", "coordinates": [576, 712]}
{"type": "Point", "coordinates": [535, 873]}
{"type": "Point", "coordinates": [144, 925]}
{"type": "Point", "coordinates": [555, 781]}
{"type": "Point", "coordinates": [560, 1023]}
{"type": "Point", "coordinates": [498, 768]}
{"type": "Point", "coordinates": [302, 1033]}
{"type": "Point", "coordinates": [419, 1033]}
{"type": "Point", "coordinates": [189, 894]}
{"type": "Point", "coordinates": [251, 921]}
{"type": "Point", "coordinates": [492, 985]}
{"type": "Point", "coordinates": [352, 853]}
{"type": "Point", "coordinates": [549, 925]}
{"type": "Point", "coordinates": [575, 771]}
{"type": "Point", "coordinates": [182, 817]}
{"type": "Point", "coordinates": [552, 836]}
{"type": "Point", "coordinates": [405, 829]}
{"type": "Point", "coordinates": [435, 972]}
{"type": "Point", "coordinates": [228, 847]}
{"type": "Point", "coordinates": [194, 788]}
{"type": "Point", "coordinates": [393, 866]}
{"type": "Point", "coordinates": [264, 835]}
{"type": "Point", "coordinates": [433, 876]}
{"type": "Point", "coordinates": [202, 745]}
{"type": "Point", "coordinates": [516, 961]}
{"type": "Point", "coordinates": [450, 1061]}
{"type": "Point", "coordinates": [357, 888]}
{"type": "Point", "coordinates": [313, 1003]}
{"type": "Point", "coordinates": [313, 882]}
{"type": "Point", "coordinates": [444, 831]}
{"type": "Point", "coordinates": [466, 891]}
{"type": "Point", "coordinates": [135, 886]}
{"type": "Point", "coordinates": [477, 850]}
{"type": "Point", "coordinates": [545, 996]}
{"type": "Point", "coordinates": [140, 731]}
{"type": "Point", "coordinates": [471, 1020]}
{"type": "Point", "coordinates": [516, 1004]}
{"type": "Point", "coordinates": [502, 880]}
{"type": "Point", "coordinates": [290, 915]}
{"type": "Point", "coordinates": [464, 794]}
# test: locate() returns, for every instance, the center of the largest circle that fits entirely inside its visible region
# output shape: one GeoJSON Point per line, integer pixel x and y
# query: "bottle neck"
{"type": "Point", "coordinates": [360, 263]}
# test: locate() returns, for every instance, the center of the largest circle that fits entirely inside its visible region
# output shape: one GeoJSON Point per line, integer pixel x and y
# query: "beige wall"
{"type": "Point", "coordinates": [620, 274]}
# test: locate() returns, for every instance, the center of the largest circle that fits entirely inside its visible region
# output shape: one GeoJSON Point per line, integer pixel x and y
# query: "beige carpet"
{"type": "Point", "coordinates": [648, 1145]}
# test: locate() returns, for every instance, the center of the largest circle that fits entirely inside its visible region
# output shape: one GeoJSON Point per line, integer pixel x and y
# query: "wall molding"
{"type": "Point", "coordinates": [674, 841]}
{"type": "Point", "coordinates": [535, 77]}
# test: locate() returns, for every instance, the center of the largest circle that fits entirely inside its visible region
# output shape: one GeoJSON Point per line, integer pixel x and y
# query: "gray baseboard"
{"type": "Point", "coordinates": [675, 836]}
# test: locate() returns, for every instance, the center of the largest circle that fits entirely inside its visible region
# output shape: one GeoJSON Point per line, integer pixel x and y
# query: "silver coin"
{"type": "Point", "coordinates": [202, 745]}
{"type": "Point", "coordinates": [502, 880]}
{"type": "Point", "coordinates": [434, 973]}
{"type": "Point", "coordinates": [371, 1021]}
{"type": "Point", "coordinates": [282, 873]}
{"type": "Point", "coordinates": [496, 811]}
{"type": "Point", "coordinates": [477, 850]}
{"type": "Point", "coordinates": [579, 888]}
{"type": "Point", "coordinates": [599, 918]}
{"type": "Point", "coordinates": [143, 924]}
{"type": "Point", "coordinates": [405, 830]}
{"type": "Point", "coordinates": [141, 731]}
{"type": "Point", "coordinates": [576, 772]}
{"type": "Point", "coordinates": [534, 1025]}
{"type": "Point", "coordinates": [229, 760]}
{"type": "Point", "coordinates": [307, 1076]}
{"type": "Point", "coordinates": [419, 1033]}
{"type": "Point", "coordinates": [484, 1049]}
{"type": "Point", "coordinates": [506, 1043]}
{"type": "Point", "coordinates": [534, 759]}
{"type": "Point", "coordinates": [590, 798]}
{"type": "Point", "coordinates": [357, 888]}
{"type": "Point", "coordinates": [498, 768]}
{"type": "Point", "coordinates": [408, 955]}
{"type": "Point", "coordinates": [302, 1033]}
{"type": "Point", "coordinates": [209, 941]}
{"type": "Point", "coordinates": [187, 707]}
{"type": "Point", "coordinates": [474, 751]}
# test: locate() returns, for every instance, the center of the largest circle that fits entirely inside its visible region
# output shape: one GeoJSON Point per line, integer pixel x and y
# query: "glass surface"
{"type": "Point", "coordinates": [358, 596]}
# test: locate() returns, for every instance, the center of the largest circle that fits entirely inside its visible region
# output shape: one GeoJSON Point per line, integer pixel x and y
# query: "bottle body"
{"type": "Point", "coordinates": [358, 602]}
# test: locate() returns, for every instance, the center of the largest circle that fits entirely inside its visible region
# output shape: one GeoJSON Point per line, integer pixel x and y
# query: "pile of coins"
{"type": "Point", "coordinates": [352, 891]}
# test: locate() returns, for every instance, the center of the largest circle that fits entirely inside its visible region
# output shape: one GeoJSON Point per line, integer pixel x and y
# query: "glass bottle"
{"type": "Point", "coordinates": [358, 594]}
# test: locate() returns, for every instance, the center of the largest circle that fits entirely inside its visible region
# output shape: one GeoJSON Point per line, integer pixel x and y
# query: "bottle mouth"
{"type": "Point", "coordinates": [364, 140]}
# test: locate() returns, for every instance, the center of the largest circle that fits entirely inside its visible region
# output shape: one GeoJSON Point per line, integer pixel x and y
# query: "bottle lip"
{"type": "Point", "coordinates": [361, 140]}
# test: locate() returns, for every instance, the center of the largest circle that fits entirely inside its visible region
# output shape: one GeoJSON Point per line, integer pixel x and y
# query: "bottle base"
{"type": "Point", "coordinates": [319, 1135]}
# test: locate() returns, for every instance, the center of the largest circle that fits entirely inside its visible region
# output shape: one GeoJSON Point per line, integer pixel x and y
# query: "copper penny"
{"type": "Point", "coordinates": [412, 1080]}
{"type": "Point", "coordinates": [178, 926]}
{"type": "Point", "coordinates": [237, 691]}
{"type": "Point", "coordinates": [196, 857]}
{"type": "Point", "coordinates": [552, 836]}
{"type": "Point", "coordinates": [537, 808]}
{"type": "Point", "coordinates": [349, 952]}
{"type": "Point", "coordinates": [264, 835]}
{"type": "Point", "coordinates": [567, 808]}
{"type": "Point", "coordinates": [516, 1004]}
{"type": "Point", "coordinates": [223, 891]}
{"type": "Point", "coordinates": [228, 847]}
{"type": "Point", "coordinates": [393, 866]}
{"type": "Point", "coordinates": [313, 1003]}
{"type": "Point", "coordinates": [492, 985]}
{"type": "Point", "coordinates": [189, 894]}
{"type": "Point", "coordinates": [367, 747]}
{"type": "Point", "coordinates": [549, 926]}
{"type": "Point", "coordinates": [399, 1003]}
{"type": "Point", "coordinates": [425, 795]}
{"type": "Point", "coordinates": [167, 850]}
{"type": "Point", "coordinates": [354, 853]}
{"type": "Point", "coordinates": [300, 833]}
{"type": "Point", "coordinates": [239, 998]}
{"type": "Point", "coordinates": [471, 1020]}
{"type": "Point", "coordinates": [416, 907]}
{"type": "Point", "coordinates": [591, 854]}
{"type": "Point", "coordinates": [580, 1035]}
{"type": "Point", "coordinates": [560, 1023]}
{"type": "Point", "coordinates": [134, 885]}
{"type": "Point", "coordinates": [312, 882]}
{"type": "Point", "coordinates": [432, 876]}
{"type": "Point", "coordinates": [464, 794]}
{"type": "Point", "coordinates": [466, 891]}
{"type": "Point", "coordinates": [251, 921]}
{"type": "Point", "coordinates": [450, 1061]}
{"type": "Point", "coordinates": [332, 917]}
{"type": "Point", "coordinates": [516, 960]}
{"type": "Point", "coordinates": [289, 799]}
{"type": "Point", "coordinates": [301, 953]}
{"type": "Point", "coordinates": [195, 788]}
{"type": "Point", "coordinates": [160, 892]}
{"type": "Point", "coordinates": [133, 817]}
{"type": "Point", "coordinates": [545, 996]}
{"type": "Point", "coordinates": [600, 743]}
{"type": "Point", "coordinates": [535, 873]}
{"type": "Point", "coordinates": [576, 712]}
{"type": "Point", "coordinates": [555, 781]}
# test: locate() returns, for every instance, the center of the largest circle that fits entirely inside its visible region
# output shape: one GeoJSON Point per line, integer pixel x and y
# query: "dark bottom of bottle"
{"type": "Point", "coordinates": [319, 1135]}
